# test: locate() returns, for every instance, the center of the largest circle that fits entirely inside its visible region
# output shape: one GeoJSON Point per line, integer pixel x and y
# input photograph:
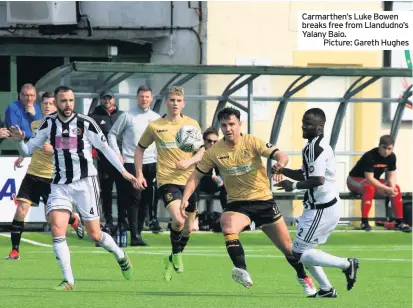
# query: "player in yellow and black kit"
{"type": "Point", "coordinates": [173, 170]}
{"type": "Point", "coordinates": [238, 159]}
{"type": "Point", "coordinates": [36, 183]}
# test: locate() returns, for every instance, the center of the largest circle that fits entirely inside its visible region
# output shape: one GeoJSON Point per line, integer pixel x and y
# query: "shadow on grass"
{"type": "Point", "coordinates": [154, 293]}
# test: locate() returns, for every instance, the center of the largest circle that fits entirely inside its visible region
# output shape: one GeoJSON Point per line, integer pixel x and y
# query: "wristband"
{"type": "Point", "coordinates": [295, 185]}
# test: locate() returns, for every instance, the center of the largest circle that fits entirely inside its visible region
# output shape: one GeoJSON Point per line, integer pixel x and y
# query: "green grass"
{"type": "Point", "coordinates": [385, 275]}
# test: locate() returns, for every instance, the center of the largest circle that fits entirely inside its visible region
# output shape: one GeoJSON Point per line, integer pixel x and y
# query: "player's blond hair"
{"type": "Point", "coordinates": [176, 90]}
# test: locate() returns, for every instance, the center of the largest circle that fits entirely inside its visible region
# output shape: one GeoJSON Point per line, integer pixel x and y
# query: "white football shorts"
{"type": "Point", "coordinates": [84, 194]}
{"type": "Point", "coordinates": [315, 227]}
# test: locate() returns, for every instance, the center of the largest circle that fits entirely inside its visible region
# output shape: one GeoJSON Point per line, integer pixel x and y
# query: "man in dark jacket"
{"type": "Point", "coordinates": [105, 116]}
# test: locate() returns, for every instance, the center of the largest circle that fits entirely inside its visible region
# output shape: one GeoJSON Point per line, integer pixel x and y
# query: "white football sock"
{"type": "Point", "coordinates": [62, 253]}
{"type": "Point", "coordinates": [317, 257]}
{"type": "Point", "coordinates": [318, 273]}
{"type": "Point", "coordinates": [109, 244]}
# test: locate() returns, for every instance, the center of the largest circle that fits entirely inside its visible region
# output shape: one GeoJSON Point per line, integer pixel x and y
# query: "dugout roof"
{"type": "Point", "coordinates": [233, 84]}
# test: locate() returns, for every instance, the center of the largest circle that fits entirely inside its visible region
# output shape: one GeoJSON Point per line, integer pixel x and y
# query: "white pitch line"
{"type": "Point", "coordinates": [270, 249]}
{"type": "Point", "coordinates": [189, 254]}
{"type": "Point", "coordinates": [202, 249]}
{"type": "Point", "coordinates": [290, 230]}
{"type": "Point", "coordinates": [28, 241]}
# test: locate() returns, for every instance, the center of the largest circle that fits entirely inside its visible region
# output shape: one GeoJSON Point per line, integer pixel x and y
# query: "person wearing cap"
{"type": "Point", "coordinates": [105, 115]}
{"type": "Point", "coordinates": [130, 127]}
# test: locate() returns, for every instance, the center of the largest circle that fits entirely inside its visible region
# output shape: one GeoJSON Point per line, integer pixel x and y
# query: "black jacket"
{"type": "Point", "coordinates": [105, 121]}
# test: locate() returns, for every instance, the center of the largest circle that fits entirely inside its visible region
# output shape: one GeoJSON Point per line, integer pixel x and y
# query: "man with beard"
{"type": "Point", "coordinates": [36, 184]}
{"type": "Point", "coordinates": [72, 136]}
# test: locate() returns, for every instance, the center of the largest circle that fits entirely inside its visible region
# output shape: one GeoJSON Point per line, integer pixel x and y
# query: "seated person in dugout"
{"type": "Point", "coordinates": [364, 179]}
{"type": "Point", "coordinates": [212, 182]}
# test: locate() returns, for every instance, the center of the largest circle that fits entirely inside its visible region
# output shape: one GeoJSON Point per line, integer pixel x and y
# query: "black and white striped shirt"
{"type": "Point", "coordinates": [319, 161]}
{"type": "Point", "coordinates": [72, 142]}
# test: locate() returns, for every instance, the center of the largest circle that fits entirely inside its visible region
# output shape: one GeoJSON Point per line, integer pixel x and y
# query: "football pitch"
{"type": "Point", "coordinates": [384, 280]}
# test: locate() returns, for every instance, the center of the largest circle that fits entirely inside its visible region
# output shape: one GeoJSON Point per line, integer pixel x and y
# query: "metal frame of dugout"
{"type": "Point", "coordinates": [246, 75]}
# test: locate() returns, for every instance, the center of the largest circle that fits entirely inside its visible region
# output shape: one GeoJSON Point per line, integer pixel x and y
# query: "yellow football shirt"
{"type": "Point", "coordinates": [241, 167]}
{"type": "Point", "coordinates": [41, 164]}
{"type": "Point", "coordinates": [163, 133]}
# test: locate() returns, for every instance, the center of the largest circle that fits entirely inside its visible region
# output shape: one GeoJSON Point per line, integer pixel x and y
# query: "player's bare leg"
{"type": "Point", "coordinates": [74, 221]}
{"type": "Point", "coordinates": [106, 241]}
{"type": "Point", "coordinates": [17, 228]}
{"type": "Point", "coordinates": [278, 233]}
{"type": "Point", "coordinates": [232, 224]}
{"type": "Point", "coordinates": [174, 261]}
{"type": "Point", "coordinates": [59, 221]}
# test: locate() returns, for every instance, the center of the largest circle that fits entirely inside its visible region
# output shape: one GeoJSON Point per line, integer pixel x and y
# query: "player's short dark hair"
{"type": "Point", "coordinates": [317, 112]}
{"type": "Point", "coordinates": [144, 88]}
{"type": "Point", "coordinates": [227, 112]}
{"type": "Point", "coordinates": [62, 89]}
{"type": "Point", "coordinates": [386, 140]}
{"type": "Point", "coordinates": [47, 95]}
{"type": "Point", "coordinates": [209, 131]}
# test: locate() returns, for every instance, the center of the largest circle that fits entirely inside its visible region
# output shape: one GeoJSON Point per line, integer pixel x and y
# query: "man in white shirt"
{"type": "Point", "coordinates": [130, 126]}
{"type": "Point", "coordinates": [321, 205]}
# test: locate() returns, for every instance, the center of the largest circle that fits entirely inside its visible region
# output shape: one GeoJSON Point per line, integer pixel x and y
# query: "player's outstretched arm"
{"type": "Point", "coordinates": [100, 143]}
{"type": "Point", "coordinates": [281, 158]}
{"type": "Point", "coordinates": [311, 182]}
{"type": "Point", "coordinates": [98, 140]}
{"type": "Point", "coordinates": [296, 175]}
{"type": "Point", "coordinates": [270, 151]}
{"type": "Point", "coordinates": [138, 167]}
{"type": "Point", "coordinates": [36, 142]}
{"type": "Point", "coordinates": [110, 155]}
{"type": "Point", "coordinates": [47, 147]}
{"type": "Point", "coordinates": [198, 155]}
{"type": "Point", "coordinates": [146, 140]}
{"type": "Point", "coordinates": [190, 187]}
{"type": "Point", "coordinates": [316, 174]}
{"type": "Point", "coordinates": [17, 162]}
{"type": "Point", "coordinates": [185, 164]}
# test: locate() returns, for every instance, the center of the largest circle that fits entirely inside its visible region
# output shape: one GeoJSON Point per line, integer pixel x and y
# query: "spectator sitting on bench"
{"type": "Point", "coordinates": [212, 183]}
{"type": "Point", "coordinates": [364, 179]}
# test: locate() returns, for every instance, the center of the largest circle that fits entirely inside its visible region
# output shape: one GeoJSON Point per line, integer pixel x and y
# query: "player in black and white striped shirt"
{"type": "Point", "coordinates": [72, 136]}
{"type": "Point", "coordinates": [321, 205]}
{"type": "Point", "coordinates": [72, 142]}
